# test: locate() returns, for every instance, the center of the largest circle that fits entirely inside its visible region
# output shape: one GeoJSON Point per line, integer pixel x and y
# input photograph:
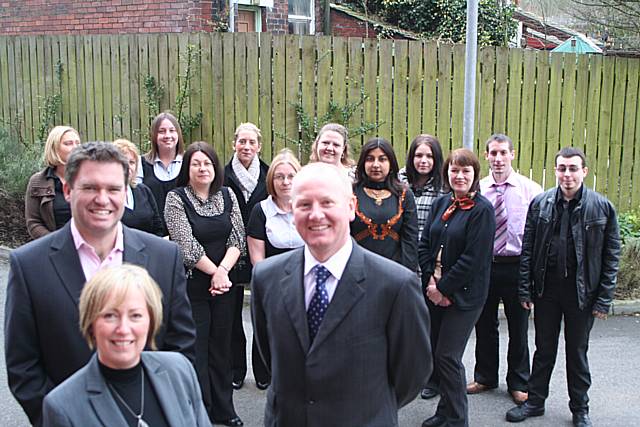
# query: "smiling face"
{"type": "Point", "coordinates": [377, 165]}
{"type": "Point", "coordinates": [570, 173]}
{"type": "Point", "coordinates": [330, 147]}
{"type": "Point", "coordinates": [423, 159]}
{"type": "Point", "coordinates": [121, 330]}
{"type": "Point", "coordinates": [322, 209]}
{"type": "Point", "coordinates": [283, 176]}
{"type": "Point", "coordinates": [460, 179]}
{"type": "Point", "coordinates": [246, 146]}
{"type": "Point", "coordinates": [201, 170]}
{"type": "Point", "coordinates": [499, 156]}
{"type": "Point", "coordinates": [167, 137]}
{"type": "Point", "coordinates": [97, 198]}
{"type": "Point", "coordinates": [68, 142]}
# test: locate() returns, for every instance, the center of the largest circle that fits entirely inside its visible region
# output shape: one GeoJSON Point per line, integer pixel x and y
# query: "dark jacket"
{"type": "Point", "coordinates": [594, 228]}
{"type": "Point", "coordinates": [242, 272]}
{"type": "Point", "coordinates": [38, 205]}
{"type": "Point", "coordinates": [466, 240]}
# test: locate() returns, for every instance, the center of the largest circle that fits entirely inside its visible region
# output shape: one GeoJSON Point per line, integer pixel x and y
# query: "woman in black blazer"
{"type": "Point", "coordinates": [455, 259]}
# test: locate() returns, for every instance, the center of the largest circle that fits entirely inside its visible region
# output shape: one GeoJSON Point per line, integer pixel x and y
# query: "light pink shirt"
{"type": "Point", "coordinates": [335, 264]}
{"type": "Point", "coordinates": [89, 259]}
{"type": "Point", "coordinates": [518, 194]}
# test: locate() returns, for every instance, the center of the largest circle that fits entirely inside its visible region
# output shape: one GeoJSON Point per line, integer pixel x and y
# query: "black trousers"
{"type": "Point", "coordinates": [559, 301]}
{"type": "Point", "coordinates": [503, 286]}
{"type": "Point", "coordinates": [454, 327]}
{"type": "Point", "coordinates": [260, 371]}
{"type": "Point", "coordinates": [238, 338]}
{"type": "Point", "coordinates": [214, 321]}
{"type": "Point", "coordinates": [433, 381]}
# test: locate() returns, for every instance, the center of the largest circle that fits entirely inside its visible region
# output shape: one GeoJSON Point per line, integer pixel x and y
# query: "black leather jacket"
{"type": "Point", "coordinates": [597, 241]}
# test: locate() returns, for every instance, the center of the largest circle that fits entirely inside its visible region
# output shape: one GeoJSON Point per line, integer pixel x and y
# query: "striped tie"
{"type": "Point", "coordinates": [500, 240]}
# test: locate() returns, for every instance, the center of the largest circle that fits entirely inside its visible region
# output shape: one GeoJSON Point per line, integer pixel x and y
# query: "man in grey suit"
{"type": "Point", "coordinates": [345, 332]}
{"type": "Point", "coordinates": [43, 345]}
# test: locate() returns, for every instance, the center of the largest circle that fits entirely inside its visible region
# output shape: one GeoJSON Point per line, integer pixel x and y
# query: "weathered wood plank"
{"type": "Point", "coordinates": [370, 84]}
{"type": "Point", "coordinates": [525, 163]}
{"type": "Point", "coordinates": [617, 123]}
{"type": "Point", "coordinates": [604, 128]}
{"type": "Point", "coordinates": [444, 97]}
{"type": "Point", "coordinates": [400, 71]}
{"type": "Point", "coordinates": [429, 88]}
{"type": "Point", "coordinates": [514, 102]}
{"type": "Point", "coordinates": [540, 120]}
{"type": "Point", "coordinates": [278, 74]}
{"type": "Point", "coordinates": [385, 89]}
{"type": "Point", "coordinates": [629, 145]}
{"type": "Point", "coordinates": [457, 98]}
{"type": "Point", "coordinates": [265, 91]}
{"type": "Point", "coordinates": [553, 117]}
{"type": "Point", "coordinates": [414, 92]}
{"type": "Point", "coordinates": [292, 89]}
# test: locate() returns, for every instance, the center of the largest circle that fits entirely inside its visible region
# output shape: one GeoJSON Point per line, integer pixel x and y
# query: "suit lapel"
{"type": "Point", "coordinates": [164, 389]}
{"type": "Point", "coordinates": [134, 248]}
{"type": "Point", "coordinates": [292, 285]}
{"type": "Point", "coordinates": [349, 291]}
{"type": "Point", "coordinates": [66, 262]}
{"type": "Point", "coordinates": [100, 397]}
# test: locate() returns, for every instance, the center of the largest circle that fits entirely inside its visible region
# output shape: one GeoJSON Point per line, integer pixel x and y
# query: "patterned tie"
{"type": "Point", "coordinates": [500, 240]}
{"type": "Point", "coordinates": [319, 302]}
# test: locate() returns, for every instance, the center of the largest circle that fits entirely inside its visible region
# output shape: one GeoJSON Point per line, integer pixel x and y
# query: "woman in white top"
{"type": "Point", "coordinates": [271, 231]}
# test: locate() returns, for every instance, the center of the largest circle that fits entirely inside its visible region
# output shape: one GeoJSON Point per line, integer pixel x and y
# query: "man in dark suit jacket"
{"type": "Point", "coordinates": [43, 344]}
{"type": "Point", "coordinates": [361, 350]}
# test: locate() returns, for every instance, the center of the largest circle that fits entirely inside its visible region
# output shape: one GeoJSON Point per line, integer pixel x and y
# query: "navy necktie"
{"type": "Point", "coordinates": [319, 302]}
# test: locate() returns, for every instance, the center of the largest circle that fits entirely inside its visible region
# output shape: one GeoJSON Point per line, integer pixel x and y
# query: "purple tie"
{"type": "Point", "coordinates": [319, 302]}
{"type": "Point", "coordinates": [500, 240]}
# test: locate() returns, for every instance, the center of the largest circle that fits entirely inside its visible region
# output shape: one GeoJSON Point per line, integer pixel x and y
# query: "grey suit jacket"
{"type": "Point", "coordinates": [372, 353]}
{"type": "Point", "coordinates": [84, 398]}
{"type": "Point", "coordinates": [43, 344]}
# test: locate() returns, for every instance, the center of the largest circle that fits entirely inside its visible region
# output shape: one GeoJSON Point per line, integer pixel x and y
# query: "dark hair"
{"type": "Point", "coordinates": [567, 152]}
{"type": "Point", "coordinates": [498, 137]}
{"type": "Point", "coordinates": [391, 182]}
{"type": "Point", "coordinates": [153, 135]}
{"type": "Point", "coordinates": [95, 151]}
{"type": "Point", "coordinates": [462, 157]}
{"type": "Point", "coordinates": [436, 173]}
{"type": "Point", "coordinates": [183, 176]}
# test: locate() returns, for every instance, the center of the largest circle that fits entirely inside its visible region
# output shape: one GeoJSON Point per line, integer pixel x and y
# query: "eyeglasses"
{"type": "Point", "coordinates": [281, 178]}
{"type": "Point", "coordinates": [571, 168]}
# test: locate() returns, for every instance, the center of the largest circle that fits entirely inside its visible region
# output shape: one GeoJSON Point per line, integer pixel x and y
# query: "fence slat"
{"type": "Point", "coordinates": [567, 119]}
{"type": "Point", "coordinates": [240, 92]}
{"type": "Point", "coordinates": [292, 88]}
{"type": "Point", "coordinates": [229, 74]}
{"type": "Point", "coordinates": [400, 70]}
{"type": "Point", "coordinates": [116, 89]}
{"type": "Point", "coordinates": [595, 80]}
{"type": "Point", "coordinates": [553, 119]}
{"type": "Point", "coordinates": [207, 90]}
{"type": "Point", "coordinates": [444, 97]}
{"type": "Point", "coordinates": [429, 99]}
{"type": "Point", "coordinates": [279, 99]}
{"type": "Point", "coordinates": [627, 189]}
{"type": "Point", "coordinates": [514, 102]}
{"type": "Point", "coordinates": [525, 156]}
{"type": "Point", "coordinates": [339, 78]}
{"type": "Point", "coordinates": [617, 114]}
{"type": "Point", "coordinates": [540, 121]}
{"type": "Point", "coordinates": [500, 95]}
{"type": "Point", "coordinates": [355, 87]}
{"type": "Point", "coordinates": [266, 100]}
{"type": "Point", "coordinates": [604, 129]}
{"type": "Point", "coordinates": [217, 95]}
{"type": "Point", "coordinates": [457, 101]}
{"type": "Point", "coordinates": [253, 110]}
{"type": "Point", "coordinates": [4, 83]}
{"type": "Point", "coordinates": [484, 115]}
{"type": "Point", "coordinates": [370, 86]}
{"type": "Point", "coordinates": [581, 100]}
{"type": "Point", "coordinates": [385, 94]}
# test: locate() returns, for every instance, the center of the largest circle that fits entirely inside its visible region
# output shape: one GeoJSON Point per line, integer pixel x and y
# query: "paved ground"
{"type": "Point", "coordinates": [615, 400]}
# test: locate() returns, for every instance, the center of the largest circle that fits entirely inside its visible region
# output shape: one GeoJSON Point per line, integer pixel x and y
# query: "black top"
{"type": "Point", "coordinates": [562, 261]}
{"type": "Point", "coordinates": [242, 272]}
{"type": "Point", "coordinates": [61, 208]}
{"type": "Point", "coordinates": [158, 188]}
{"type": "Point", "coordinates": [465, 241]}
{"type": "Point", "coordinates": [257, 229]}
{"type": "Point", "coordinates": [391, 229]}
{"type": "Point", "coordinates": [127, 383]}
{"type": "Point", "coordinates": [145, 215]}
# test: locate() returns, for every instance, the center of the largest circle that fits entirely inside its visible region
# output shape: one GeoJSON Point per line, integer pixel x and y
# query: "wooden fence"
{"type": "Point", "coordinates": [543, 101]}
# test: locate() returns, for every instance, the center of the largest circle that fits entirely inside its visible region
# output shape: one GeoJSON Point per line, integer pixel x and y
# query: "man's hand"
{"type": "Point", "coordinates": [599, 315]}
{"type": "Point", "coordinates": [527, 305]}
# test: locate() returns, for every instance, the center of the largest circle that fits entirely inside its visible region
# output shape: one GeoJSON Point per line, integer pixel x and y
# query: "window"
{"type": "Point", "coordinates": [301, 14]}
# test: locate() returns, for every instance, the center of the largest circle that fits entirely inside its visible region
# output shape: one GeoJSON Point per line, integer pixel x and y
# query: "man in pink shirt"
{"type": "Point", "coordinates": [43, 344]}
{"type": "Point", "coordinates": [510, 193]}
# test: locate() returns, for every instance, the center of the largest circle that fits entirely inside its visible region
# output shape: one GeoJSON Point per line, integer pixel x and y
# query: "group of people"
{"type": "Point", "coordinates": [367, 280]}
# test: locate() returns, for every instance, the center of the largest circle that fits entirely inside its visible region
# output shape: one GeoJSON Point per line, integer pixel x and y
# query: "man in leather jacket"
{"type": "Point", "coordinates": [568, 269]}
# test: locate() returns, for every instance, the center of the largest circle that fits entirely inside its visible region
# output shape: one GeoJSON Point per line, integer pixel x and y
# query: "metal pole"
{"type": "Point", "coordinates": [470, 75]}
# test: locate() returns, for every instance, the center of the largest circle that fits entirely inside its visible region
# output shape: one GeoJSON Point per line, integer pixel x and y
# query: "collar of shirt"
{"type": "Point", "coordinates": [89, 259]}
{"type": "Point", "coordinates": [129, 203]}
{"type": "Point", "coordinates": [335, 264]}
{"type": "Point", "coordinates": [170, 172]}
{"type": "Point", "coordinates": [572, 202]}
{"type": "Point", "coordinates": [270, 208]}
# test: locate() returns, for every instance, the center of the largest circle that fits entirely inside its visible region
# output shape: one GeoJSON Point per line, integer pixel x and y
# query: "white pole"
{"type": "Point", "coordinates": [470, 75]}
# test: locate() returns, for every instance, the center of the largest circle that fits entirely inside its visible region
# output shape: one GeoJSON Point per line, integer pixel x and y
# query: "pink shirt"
{"type": "Point", "coordinates": [89, 259]}
{"type": "Point", "coordinates": [518, 194]}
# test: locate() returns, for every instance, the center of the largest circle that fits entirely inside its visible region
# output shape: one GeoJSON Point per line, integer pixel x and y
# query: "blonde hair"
{"type": "Point", "coordinates": [127, 148]}
{"type": "Point", "coordinates": [248, 127]}
{"type": "Point", "coordinates": [285, 156]}
{"type": "Point", "coordinates": [345, 159]}
{"type": "Point", "coordinates": [117, 282]}
{"type": "Point", "coordinates": [51, 156]}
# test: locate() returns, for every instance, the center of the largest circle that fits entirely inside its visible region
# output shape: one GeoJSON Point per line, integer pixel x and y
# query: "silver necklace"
{"type": "Point", "coordinates": [141, 422]}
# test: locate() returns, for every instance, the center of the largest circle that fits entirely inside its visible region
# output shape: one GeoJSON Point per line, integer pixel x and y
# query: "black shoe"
{"type": "Point", "coordinates": [581, 419]}
{"type": "Point", "coordinates": [262, 386]}
{"type": "Point", "coordinates": [231, 422]}
{"type": "Point", "coordinates": [435, 421]}
{"type": "Point", "coordinates": [428, 393]}
{"type": "Point", "coordinates": [237, 385]}
{"type": "Point", "coordinates": [524, 411]}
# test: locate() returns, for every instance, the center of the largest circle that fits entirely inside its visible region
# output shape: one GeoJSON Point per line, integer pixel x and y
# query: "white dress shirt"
{"type": "Point", "coordinates": [335, 264]}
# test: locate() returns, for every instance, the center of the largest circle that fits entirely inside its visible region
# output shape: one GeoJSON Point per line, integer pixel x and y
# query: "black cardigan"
{"type": "Point", "coordinates": [466, 240]}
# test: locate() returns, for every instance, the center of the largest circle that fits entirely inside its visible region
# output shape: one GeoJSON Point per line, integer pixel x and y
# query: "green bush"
{"type": "Point", "coordinates": [629, 223]}
{"type": "Point", "coordinates": [628, 273]}
{"type": "Point", "coordinates": [17, 163]}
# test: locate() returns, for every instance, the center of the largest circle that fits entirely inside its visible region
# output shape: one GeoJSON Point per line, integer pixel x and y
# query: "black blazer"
{"type": "Point", "coordinates": [241, 273]}
{"type": "Point", "coordinates": [466, 240]}
{"type": "Point", "coordinates": [372, 353]}
{"type": "Point", "coordinates": [43, 344]}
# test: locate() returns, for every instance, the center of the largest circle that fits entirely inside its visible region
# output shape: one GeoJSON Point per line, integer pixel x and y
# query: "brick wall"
{"type": "Point", "coordinates": [277, 19]}
{"type": "Point", "coordinates": [348, 26]}
{"type": "Point", "coordinates": [104, 16]}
